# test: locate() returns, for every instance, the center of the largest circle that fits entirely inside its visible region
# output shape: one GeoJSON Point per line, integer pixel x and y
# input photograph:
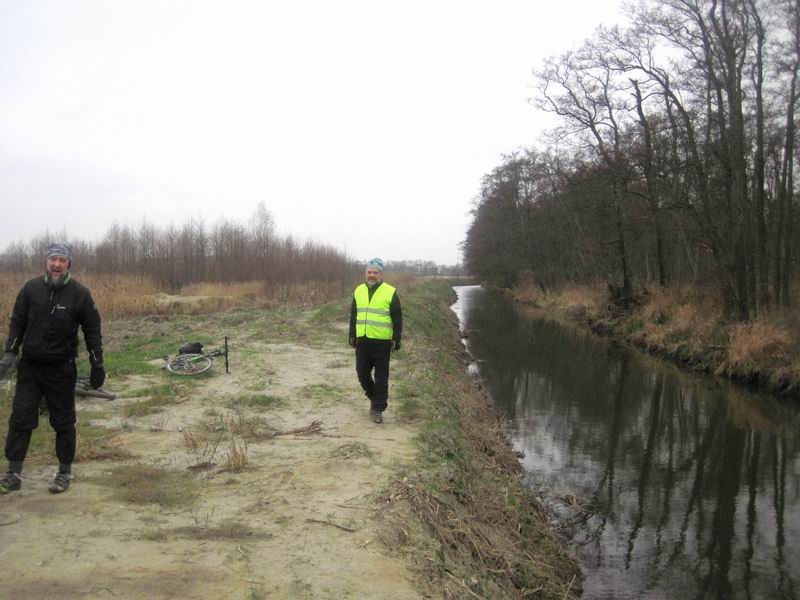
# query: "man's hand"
{"type": "Point", "coordinates": [352, 342]}
{"type": "Point", "coordinates": [97, 376]}
{"type": "Point", "coordinates": [7, 362]}
{"type": "Point", "coordinates": [395, 345]}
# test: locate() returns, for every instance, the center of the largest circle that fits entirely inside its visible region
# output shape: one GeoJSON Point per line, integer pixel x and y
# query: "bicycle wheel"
{"type": "Point", "coordinates": [189, 364]}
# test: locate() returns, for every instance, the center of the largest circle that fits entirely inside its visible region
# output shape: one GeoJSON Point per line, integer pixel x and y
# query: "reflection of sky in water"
{"type": "Point", "coordinates": [695, 482]}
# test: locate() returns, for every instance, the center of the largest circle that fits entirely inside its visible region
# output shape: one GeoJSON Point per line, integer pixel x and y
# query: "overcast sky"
{"type": "Point", "coordinates": [365, 125]}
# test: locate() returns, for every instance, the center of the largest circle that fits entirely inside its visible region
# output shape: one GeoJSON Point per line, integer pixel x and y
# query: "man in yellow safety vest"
{"type": "Point", "coordinates": [376, 326]}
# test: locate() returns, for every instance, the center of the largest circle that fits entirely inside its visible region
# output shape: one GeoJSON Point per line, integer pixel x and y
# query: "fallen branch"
{"type": "Point", "coordinates": [342, 527]}
{"type": "Point", "coordinates": [315, 427]}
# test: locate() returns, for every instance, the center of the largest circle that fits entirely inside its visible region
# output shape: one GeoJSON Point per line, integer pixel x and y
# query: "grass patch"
{"type": "Point", "coordinates": [154, 534]}
{"type": "Point", "coordinates": [255, 401]}
{"type": "Point", "coordinates": [92, 415]}
{"type": "Point", "coordinates": [339, 364]}
{"type": "Point", "coordinates": [94, 443]}
{"type": "Point", "coordinates": [250, 427]}
{"type": "Point", "coordinates": [162, 391]}
{"type": "Point", "coordinates": [148, 484]}
{"type": "Point", "coordinates": [133, 356]}
{"type": "Point", "coordinates": [257, 593]}
{"type": "Point", "coordinates": [337, 311]}
{"type": "Point", "coordinates": [143, 408]}
{"type": "Point", "coordinates": [321, 392]}
{"type": "Point", "coordinates": [632, 325]}
{"type": "Point", "coordinates": [227, 530]}
{"type": "Point", "coordinates": [160, 395]}
{"type": "Point", "coordinates": [246, 426]}
{"type": "Point", "coordinates": [409, 392]}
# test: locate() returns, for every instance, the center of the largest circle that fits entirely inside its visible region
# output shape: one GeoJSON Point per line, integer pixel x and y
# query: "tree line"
{"type": "Point", "coordinates": [174, 256]}
{"type": "Point", "coordinates": [673, 160]}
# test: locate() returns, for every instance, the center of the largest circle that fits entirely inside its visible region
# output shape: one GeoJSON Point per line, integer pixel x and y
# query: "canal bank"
{"type": "Point", "coordinates": [462, 512]}
{"type": "Point", "coordinates": [685, 324]}
{"type": "Point", "coordinates": [670, 483]}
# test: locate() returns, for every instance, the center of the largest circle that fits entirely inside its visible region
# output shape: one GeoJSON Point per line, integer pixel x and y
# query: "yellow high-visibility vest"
{"type": "Point", "coordinates": [372, 316]}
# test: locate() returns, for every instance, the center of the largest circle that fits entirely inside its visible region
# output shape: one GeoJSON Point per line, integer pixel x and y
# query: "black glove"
{"type": "Point", "coordinates": [352, 342]}
{"type": "Point", "coordinates": [395, 345]}
{"type": "Point", "coordinates": [8, 360]}
{"type": "Point", "coordinates": [97, 376]}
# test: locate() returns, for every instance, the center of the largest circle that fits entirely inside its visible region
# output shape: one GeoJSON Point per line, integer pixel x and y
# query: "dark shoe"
{"type": "Point", "coordinates": [376, 415]}
{"type": "Point", "coordinates": [60, 483]}
{"type": "Point", "coordinates": [10, 482]}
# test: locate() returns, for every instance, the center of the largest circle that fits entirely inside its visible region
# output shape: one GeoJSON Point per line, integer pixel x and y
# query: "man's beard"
{"type": "Point", "coordinates": [56, 283]}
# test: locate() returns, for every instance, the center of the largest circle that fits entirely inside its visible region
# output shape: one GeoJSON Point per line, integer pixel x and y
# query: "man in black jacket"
{"type": "Point", "coordinates": [376, 328]}
{"type": "Point", "coordinates": [44, 324]}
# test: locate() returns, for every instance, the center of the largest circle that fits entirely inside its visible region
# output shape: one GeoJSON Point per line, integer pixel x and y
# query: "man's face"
{"type": "Point", "coordinates": [57, 267]}
{"type": "Point", "coordinates": [373, 276]}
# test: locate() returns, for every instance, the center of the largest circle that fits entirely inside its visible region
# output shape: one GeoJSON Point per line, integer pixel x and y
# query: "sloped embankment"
{"type": "Point", "coordinates": [685, 324]}
{"type": "Point", "coordinates": [460, 510]}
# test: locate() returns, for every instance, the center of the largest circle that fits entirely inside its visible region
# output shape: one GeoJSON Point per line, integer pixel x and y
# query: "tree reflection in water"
{"type": "Point", "coordinates": [694, 482]}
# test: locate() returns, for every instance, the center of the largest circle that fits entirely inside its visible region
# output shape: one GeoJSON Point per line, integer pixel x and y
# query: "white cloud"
{"type": "Point", "coordinates": [362, 124]}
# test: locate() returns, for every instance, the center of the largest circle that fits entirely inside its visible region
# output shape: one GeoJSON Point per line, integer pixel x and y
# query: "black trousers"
{"type": "Point", "coordinates": [374, 356]}
{"type": "Point", "coordinates": [55, 381]}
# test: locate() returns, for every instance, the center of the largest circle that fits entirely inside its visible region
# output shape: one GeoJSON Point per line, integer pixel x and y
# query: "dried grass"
{"type": "Point", "coordinates": [754, 345]}
{"type": "Point", "coordinates": [686, 323]}
{"type": "Point", "coordinates": [122, 296]}
{"type": "Point", "coordinates": [236, 456]}
{"type": "Point", "coordinates": [593, 298]}
{"type": "Point", "coordinates": [201, 450]}
{"type": "Point", "coordinates": [150, 484]}
{"type": "Point", "coordinates": [478, 513]}
{"type": "Point", "coordinates": [247, 289]}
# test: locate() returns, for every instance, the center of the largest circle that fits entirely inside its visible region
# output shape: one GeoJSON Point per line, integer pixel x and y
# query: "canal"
{"type": "Point", "coordinates": [668, 483]}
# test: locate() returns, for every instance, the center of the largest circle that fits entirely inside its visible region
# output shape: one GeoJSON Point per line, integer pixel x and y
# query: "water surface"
{"type": "Point", "coordinates": [671, 484]}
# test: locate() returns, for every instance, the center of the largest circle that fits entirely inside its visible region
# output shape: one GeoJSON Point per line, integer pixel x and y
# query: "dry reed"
{"type": "Point", "coordinates": [759, 343]}
{"type": "Point", "coordinates": [123, 296]}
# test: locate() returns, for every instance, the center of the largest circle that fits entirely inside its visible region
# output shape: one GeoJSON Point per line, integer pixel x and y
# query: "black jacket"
{"type": "Point", "coordinates": [45, 322]}
{"type": "Point", "coordinates": [395, 312]}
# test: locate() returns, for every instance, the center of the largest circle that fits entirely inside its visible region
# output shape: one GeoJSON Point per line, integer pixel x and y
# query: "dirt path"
{"type": "Point", "coordinates": [301, 520]}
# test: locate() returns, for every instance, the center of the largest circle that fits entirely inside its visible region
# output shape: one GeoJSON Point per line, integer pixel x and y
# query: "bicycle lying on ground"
{"type": "Point", "coordinates": [197, 362]}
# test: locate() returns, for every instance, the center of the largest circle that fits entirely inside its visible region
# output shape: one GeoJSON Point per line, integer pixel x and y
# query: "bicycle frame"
{"type": "Point", "coordinates": [194, 364]}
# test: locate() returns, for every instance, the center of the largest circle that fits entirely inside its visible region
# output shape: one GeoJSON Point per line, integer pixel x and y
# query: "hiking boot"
{"type": "Point", "coordinates": [376, 416]}
{"type": "Point", "coordinates": [10, 482]}
{"type": "Point", "coordinates": [60, 483]}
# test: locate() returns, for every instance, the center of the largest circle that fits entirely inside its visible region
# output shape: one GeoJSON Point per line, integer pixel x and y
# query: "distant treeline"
{"type": "Point", "coordinates": [192, 252]}
{"type": "Point", "coordinates": [674, 161]}
{"type": "Point", "coordinates": [425, 268]}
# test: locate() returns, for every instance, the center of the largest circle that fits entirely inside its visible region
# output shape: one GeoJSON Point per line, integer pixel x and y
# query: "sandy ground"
{"type": "Point", "coordinates": [301, 521]}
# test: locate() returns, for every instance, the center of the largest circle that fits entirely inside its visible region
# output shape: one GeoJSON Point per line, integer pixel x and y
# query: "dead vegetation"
{"type": "Point", "coordinates": [462, 512]}
{"type": "Point", "coordinates": [491, 536]}
{"type": "Point", "coordinates": [138, 483]}
{"type": "Point", "coordinates": [350, 451]}
{"type": "Point", "coordinates": [236, 455]}
{"type": "Point", "coordinates": [125, 296]}
{"type": "Point", "coordinates": [201, 451]}
{"type": "Point", "coordinates": [229, 530]}
{"type": "Point", "coordinates": [685, 323]}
